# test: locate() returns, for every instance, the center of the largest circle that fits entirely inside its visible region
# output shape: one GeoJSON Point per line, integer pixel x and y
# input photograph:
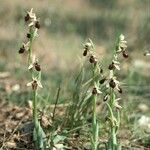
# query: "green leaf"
{"type": "Point", "coordinates": [58, 138]}
{"type": "Point", "coordinates": [39, 136]}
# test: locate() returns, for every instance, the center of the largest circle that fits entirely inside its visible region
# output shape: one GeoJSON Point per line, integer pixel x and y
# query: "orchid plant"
{"type": "Point", "coordinates": [89, 53]}
{"type": "Point", "coordinates": [35, 70]}
{"type": "Point", "coordinates": [112, 86]}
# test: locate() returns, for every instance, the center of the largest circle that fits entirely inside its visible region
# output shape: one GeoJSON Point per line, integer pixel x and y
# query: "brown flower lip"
{"type": "Point", "coordinates": [125, 55]}
{"type": "Point", "coordinates": [102, 81]}
{"type": "Point", "coordinates": [27, 17]}
{"type": "Point", "coordinates": [92, 59]}
{"type": "Point", "coordinates": [111, 66]}
{"type": "Point", "coordinates": [34, 85]}
{"type": "Point", "coordinates": [94, 91]}
{"type": "Point", "coordinates": [37, 67]}
{"type": "Point", "coordinates": [85, 52]}
{"type": "Point", "coordinates": [28, 35]}
{"type": "Point", "coordinates": [37, 25]}
{"type": "Point", "coordinates": [101, 70]}
{"type": "Point", "coordinates": [112, 84]}
{"type": "Point", "coordinates": [22, 50]}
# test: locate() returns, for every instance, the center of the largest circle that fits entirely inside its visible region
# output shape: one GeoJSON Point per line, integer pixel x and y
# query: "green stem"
{"type": "Point", "coordinates": [30, 46]}
{"type": "Point", "coordinates": [35, 117]}
{"type": "Point", "coordinates": [111, 113]}
{"type": "Point", "coordinates": [113, 133]}
{"type": "Point", "coordinates": [113, 127]}
{"type": "Point", "coordinates": [113, 119]}
{"type": "Point", "coordinates": [112, 98]}
{"type": "Point", "coordinates": [94, 122]}
{"type": "Point", "coordinates": [94, 109]}
{"type": "Point", "coordinates": [94, 97]}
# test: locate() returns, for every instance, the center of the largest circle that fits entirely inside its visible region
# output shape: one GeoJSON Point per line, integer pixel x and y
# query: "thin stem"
{"type": "Point", "coordinates": [30, 46]}
{"type": "Point", "coordinates": [94, 122]}
{"type": "Point", "coordinates": [113, 134]}
{"type": "Point", "coordinates": [94, 109]}
{"type": "Point", "coordinates": [94, 128]}
{"type": "Point", "coordinates": [94, 97]}
{"type": "Point", "coordinates": [35, 117]}
{"type": "Point", "coordinates": [113, 138]}
{"type": "Point", "coordinates": [56, 102]}
{"type": "Point", "coordinates": [111, 113]}
{"type": "Point", "coordinates": [113, 119]}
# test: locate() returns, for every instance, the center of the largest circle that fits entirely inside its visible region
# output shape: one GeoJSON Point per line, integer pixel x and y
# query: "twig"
{"type": "Point", "coordinates": [56, 102]}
